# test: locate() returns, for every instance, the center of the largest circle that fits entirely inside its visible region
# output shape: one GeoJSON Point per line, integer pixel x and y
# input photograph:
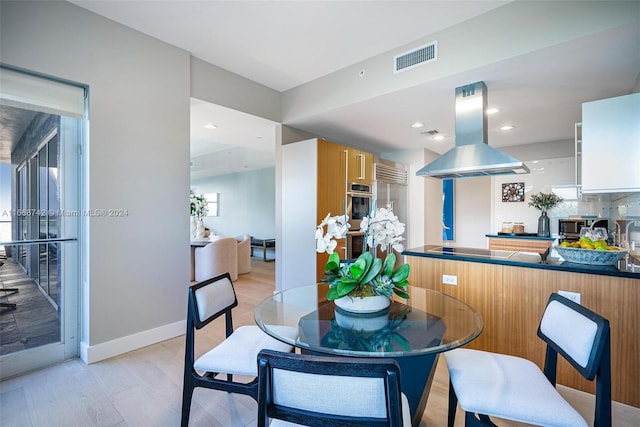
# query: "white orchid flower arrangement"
{"type": "Point", "coordinates": [199, 205]}
{"type": "Point", "coordinates": [383, 229]}
{"type": "Point", "coordinates": [337, 228]}
{"type": "Point", "coordinates": [367, 275]}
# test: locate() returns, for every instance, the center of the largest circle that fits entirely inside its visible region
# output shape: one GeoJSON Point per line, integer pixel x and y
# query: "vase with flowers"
{"type": "Point", "coordinates": [199, 209]}
{"type": "Point", "coordinates": [543, 202]}
{"type": "Point", "coordinates": [367, 283]}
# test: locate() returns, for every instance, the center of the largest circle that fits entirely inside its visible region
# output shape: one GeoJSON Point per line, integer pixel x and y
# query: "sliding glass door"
{"type": "Point", "coordinates": [40, 221]}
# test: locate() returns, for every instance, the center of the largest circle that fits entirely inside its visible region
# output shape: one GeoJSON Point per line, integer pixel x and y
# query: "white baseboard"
{"type": "Point", "coordinates": [95, 353]}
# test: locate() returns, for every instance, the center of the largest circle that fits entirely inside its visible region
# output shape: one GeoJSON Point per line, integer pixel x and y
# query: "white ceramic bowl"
{"type": "Point", "coordinates": [590, 256]}
{"type": "Point", "coordinates": [370, 304]}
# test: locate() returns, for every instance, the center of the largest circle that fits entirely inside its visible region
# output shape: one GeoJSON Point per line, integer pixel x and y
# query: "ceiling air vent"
{"type": "Point", "coordinates": [416, 57]}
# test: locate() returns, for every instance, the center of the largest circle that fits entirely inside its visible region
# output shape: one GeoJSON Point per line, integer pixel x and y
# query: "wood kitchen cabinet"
{"type": "Point", "coordinates": [540, 246]}
{"type": "Point", "coordinates": [360, 166]}
{"type": "Point", "coordinates": [331, 186]}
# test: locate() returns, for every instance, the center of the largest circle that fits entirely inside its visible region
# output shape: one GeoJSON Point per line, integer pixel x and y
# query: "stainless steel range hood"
{"type": "Point", "coordinates": [472, 156]}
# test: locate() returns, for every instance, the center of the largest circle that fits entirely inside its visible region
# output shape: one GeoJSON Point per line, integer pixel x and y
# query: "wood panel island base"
{"type": "Point", "coordinates": [510, 292]}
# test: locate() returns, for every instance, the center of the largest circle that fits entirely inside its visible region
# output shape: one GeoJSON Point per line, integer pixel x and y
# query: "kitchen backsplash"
{"type": "Point", "coordinates": [557, 175]}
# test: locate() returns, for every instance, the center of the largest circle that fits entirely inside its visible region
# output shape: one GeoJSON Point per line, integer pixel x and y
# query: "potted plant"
{"type": "Point", "coordinates": [366, 284]}
{"type": "Point", "coordinates": [543, 202]}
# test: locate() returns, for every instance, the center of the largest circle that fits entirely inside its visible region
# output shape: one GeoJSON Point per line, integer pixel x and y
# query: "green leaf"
{"type": "Point", "coordinates": [367, 257]}
{"type": "Point", "coordinates": [332, 294]}
{"type": "Point", "coordinates": [357, 269]}
{"type": "Point", "coordinates": [333, 262]}
{"type": "Point", "coordinates": [401, 273]}
{"type": "Point", "coordinates": [389, 263]}
{"type": "Point", "coordinates": [348, 281]}
{"type": "Point", "coordinates": [402, 283]}
{"type": "Point", "coordinates": [344, 288]}
{"type": "Point", "coordinates": [373, 271]}
{"type": "Point", "coordinates": [401, 293]}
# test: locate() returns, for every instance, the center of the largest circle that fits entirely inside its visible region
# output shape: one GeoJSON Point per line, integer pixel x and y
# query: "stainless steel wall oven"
{"type": "Point", "coordinates": [359, 199]}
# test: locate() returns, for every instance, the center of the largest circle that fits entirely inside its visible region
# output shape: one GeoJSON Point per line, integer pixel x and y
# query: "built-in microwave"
{"type": "Point", "coordinates": [570, 227]}
{"type": "Point", "coordinates": [359, 199]}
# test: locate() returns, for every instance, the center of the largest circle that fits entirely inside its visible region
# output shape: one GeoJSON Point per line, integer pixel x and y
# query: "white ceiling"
{"type": "Point", "coordinates": [283, 44]}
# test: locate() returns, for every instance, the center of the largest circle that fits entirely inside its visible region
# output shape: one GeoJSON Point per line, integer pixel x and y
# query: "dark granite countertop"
{"type": "Point", "coordinates": [525, 259]}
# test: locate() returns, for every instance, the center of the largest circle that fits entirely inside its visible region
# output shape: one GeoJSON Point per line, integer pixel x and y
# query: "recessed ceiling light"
{"type": "Point", "coordinates": [210, 126]}
{"type": "Point", "coordinates": [492, 110]}
{"type": "Point", "coordinates": [506, 127]}
{"type": "Point", "coordinates": [417, 125]}
{"type": "Point", "coordinates": [438, 137]}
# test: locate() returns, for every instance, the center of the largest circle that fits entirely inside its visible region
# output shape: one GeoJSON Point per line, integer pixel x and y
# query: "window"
{"type": "Point", "coordinates": [212, 201]}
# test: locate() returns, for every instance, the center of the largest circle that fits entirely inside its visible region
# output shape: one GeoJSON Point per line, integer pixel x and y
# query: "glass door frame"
{"type": "Point", "coordinates": [72, 137]}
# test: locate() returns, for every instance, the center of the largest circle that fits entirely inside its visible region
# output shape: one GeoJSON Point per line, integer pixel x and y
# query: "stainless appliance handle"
{"type": "Point", "coordinates": [346, 178]}
{"type": "Point", "coordinates": [359, 194]}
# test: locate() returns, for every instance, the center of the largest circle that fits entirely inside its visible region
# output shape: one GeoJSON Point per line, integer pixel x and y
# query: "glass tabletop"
{"type": "Point", "coordinates": [428, 322]}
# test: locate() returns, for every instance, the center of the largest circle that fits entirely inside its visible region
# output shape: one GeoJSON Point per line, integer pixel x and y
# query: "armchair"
{"type": "Point", "coordinates": [218, 257]}
{"type": "Point", "coordinates": [244, 253]}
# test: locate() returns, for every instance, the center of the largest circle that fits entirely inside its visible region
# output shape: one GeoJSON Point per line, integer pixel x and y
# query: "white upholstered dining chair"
{"type": "Point", "coordinates": [326, 391]}
{"type": "Point", "coordinates": [498, 385]}
{"type": "Point", "coordinates": [236, 355]}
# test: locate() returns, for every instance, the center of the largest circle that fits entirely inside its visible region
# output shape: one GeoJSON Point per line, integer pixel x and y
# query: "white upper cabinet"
{"type": "Point", "coordinates": [611, 145]}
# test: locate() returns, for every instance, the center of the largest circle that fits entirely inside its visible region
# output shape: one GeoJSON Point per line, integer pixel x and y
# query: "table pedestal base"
{"type": "Point", "coordinates": [416, 376]}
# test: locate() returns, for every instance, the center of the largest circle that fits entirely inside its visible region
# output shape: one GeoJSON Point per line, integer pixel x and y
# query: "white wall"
{"type": "Point", "coordinates": [546, 175]}
{"type": "Point", "coordinates": [246, 203]}
{"type": "Point", "coordinates": [472, 211]}
{"type": "Point", "coordinates": [295, 253]}
{"type": "Point", "coordinates": [137, 270]}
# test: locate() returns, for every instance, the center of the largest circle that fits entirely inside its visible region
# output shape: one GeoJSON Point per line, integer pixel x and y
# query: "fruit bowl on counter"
{"type": "Point", "coordinates": [591, 256]}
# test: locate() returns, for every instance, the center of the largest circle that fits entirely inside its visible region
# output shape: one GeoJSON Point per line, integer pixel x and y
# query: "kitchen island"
{"type": "Point", "coordinates": [510, 290]}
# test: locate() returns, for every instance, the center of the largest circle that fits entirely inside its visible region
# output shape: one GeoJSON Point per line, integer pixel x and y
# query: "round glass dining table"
{"type": "Point", "coordinates": [413, 332]}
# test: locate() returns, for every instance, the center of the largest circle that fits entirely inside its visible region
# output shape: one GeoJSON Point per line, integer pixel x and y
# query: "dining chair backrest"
{"type": "Point", "coordinates": [575, 332]}
{"type": "Point", "coordinates": [328, 391]}
{"type": "Point", "coordinates": [582, 337]}
{"type": "Point", "coordinates": [211, 298]}
{"type": "Point", "coordinates": [233, 356]}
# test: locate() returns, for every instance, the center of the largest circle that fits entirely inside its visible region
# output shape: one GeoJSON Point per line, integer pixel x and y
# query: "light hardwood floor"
{"type": "Point", "coordinates": [144, 387]}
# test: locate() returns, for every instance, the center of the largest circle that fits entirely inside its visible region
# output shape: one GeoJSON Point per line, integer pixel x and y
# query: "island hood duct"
{"type": "Point", "coordinates": [472, 156]}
